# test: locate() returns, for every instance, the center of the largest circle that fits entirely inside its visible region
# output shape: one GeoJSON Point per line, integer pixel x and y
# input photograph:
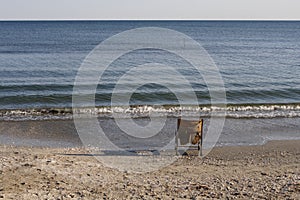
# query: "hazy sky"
{"type": "Point", "coordinates": [149, 9]}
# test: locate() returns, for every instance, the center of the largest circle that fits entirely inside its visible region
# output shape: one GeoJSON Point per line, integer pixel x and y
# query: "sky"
{"type": "Point", "coordinates": [149, 9]}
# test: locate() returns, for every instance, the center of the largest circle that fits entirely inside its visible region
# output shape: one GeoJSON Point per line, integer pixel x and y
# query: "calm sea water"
{"type": "Point", "coordinates": [259, 63]}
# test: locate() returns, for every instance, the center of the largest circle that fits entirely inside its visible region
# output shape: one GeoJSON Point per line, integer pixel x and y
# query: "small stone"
{"type": "Point", "coordinates": [205, 187]}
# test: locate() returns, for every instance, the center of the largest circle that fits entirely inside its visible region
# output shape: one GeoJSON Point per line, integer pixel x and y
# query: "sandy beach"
{"type": "Point", "coordinates": [270, 171]}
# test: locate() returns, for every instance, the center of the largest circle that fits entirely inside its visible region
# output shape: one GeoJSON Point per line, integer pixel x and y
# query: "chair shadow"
{"type": "Point", "coordinates": [117, 153]}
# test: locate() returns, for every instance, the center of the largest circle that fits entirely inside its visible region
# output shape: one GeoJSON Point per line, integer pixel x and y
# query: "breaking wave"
{"type": "Point", "coordinates": [229, 111]}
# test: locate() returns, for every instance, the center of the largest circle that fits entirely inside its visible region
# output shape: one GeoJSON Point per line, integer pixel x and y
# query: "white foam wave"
{"type": "Point", "coordinates": [233, 111]}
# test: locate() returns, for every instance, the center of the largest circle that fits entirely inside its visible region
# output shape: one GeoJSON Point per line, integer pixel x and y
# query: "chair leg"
{"type": "Point", "coordinates": [176, 143]}
{"type": "Point", "coordinates": [201, 147]}
{"type": "Point", "coordinates": [201, 151]}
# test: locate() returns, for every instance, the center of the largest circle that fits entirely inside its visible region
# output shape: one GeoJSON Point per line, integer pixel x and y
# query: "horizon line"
{"type": "Point", "coordinates": [149, 19]}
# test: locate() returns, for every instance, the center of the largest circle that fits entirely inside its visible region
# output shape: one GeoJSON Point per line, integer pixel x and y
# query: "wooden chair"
{"type": "Point", "coordinates": [189, 133]}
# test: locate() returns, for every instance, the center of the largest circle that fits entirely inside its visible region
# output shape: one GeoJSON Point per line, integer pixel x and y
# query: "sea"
{"type": "Point", "coordinates": [258, 61]}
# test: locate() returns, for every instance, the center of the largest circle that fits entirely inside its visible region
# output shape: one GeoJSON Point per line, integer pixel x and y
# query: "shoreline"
{"type": "Point", "coordinates": [267, 171]}
{"type": "Point", "coordinates": [82, 148]}
{"type": "Point", "coordinates": [232, 152]}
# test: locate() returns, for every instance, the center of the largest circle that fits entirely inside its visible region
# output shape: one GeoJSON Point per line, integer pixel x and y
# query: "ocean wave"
{"type": "Point", "coordinates": [229, 111]}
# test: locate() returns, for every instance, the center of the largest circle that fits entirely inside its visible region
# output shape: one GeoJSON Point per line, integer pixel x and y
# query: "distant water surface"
{"type": "Point", "coordinates": [259, 63]}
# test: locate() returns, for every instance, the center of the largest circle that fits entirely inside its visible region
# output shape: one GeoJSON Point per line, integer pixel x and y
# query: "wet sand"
{"type": "Point", "coordinates": [63, 133]}
{"type": "Point", "coordinates": [270, 171]}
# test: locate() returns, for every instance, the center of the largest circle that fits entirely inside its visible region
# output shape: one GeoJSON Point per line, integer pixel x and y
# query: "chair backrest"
{"type": "Point", "coordinates": [189, 131]}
